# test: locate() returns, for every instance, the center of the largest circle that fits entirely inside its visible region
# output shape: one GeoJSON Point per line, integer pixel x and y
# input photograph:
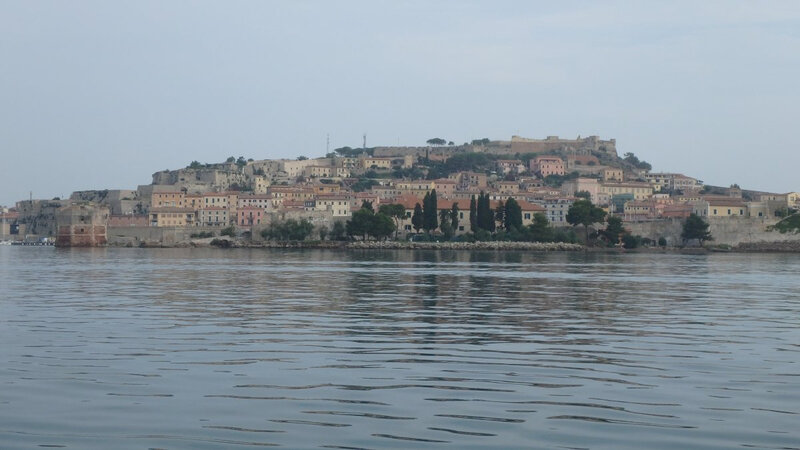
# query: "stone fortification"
{"type": "Point", "coordinates": [126, 236]}
{"type": "Point", "coordinates": [198, 180]}
{"type": "Point", "coordinates": [724, 230]}
{"type": "Point", "coordinates": [82, 225]}
{"type": "Point", "coordinates": [421, 152]}
{"type": "Point", "coordinates": [554, 143]}
{"type": "Point", "coordinates": [120, 201]}
{"type": "Point", "coordinates": [38, 217]}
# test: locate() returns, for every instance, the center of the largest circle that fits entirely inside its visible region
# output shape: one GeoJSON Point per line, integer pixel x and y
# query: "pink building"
{"type": "Point", "coordinates": [249, 215]}
{"type": "Point", "coordinates": [547, 165]}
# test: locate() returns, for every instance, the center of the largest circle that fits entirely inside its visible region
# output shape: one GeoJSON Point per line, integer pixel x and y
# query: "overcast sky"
{"type": "Point", "coordinates": [102, 94]}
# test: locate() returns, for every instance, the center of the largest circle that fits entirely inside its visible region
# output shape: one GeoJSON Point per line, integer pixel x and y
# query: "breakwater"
{"type": "Point", "coordinates": [405, 245]}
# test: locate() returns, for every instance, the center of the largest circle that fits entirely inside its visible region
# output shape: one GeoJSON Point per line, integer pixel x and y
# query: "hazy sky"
{"type": "Point", "coordinates": [102, 94]}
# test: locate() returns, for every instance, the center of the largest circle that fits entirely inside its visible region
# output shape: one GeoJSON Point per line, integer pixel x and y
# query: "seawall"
{"type": "Point", "coordinates": [729, 231]}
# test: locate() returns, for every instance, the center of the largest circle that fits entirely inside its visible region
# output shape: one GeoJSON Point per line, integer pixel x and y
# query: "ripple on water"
{"type": "Point", "coordinates": [184, 348]}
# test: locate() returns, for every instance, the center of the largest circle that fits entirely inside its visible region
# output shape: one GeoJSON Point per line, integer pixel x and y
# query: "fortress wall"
{"type": "Point", "coordinates": [730, 231]}
{"type": "Point", "coordinates": [135, 236]}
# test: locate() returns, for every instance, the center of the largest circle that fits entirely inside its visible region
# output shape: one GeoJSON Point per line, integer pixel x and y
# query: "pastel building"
{"type": "Point", "coordinates": [547, 165]}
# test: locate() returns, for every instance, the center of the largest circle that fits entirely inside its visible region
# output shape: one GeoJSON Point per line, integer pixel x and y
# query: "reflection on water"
{"type": "Point", "coordinates": [198, 348]}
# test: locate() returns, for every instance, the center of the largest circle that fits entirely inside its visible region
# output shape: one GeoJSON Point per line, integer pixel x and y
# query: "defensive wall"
{"type": "Point", "coordinates": [724, 230]}
{"type": "Point", "coordinates": [127, 236]}
{"type": "Point", "coordinates": [589, 144]}
{"type": "Point", "coordinates": [82, 226]}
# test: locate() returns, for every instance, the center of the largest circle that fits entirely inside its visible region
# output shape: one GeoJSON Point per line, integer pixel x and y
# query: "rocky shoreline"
{"type": "Point", "coordinates": [760, 247]}
{"type": "Point", "coordinates": [374, 245]}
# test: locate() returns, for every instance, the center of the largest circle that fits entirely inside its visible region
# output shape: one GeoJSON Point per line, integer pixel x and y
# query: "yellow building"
{"type": "Point", "coordinates": [172, 217]}
{"type": "Point", "coordinates": [193, 201]}
{"type": "Point", "coordinates": [376, 163]}
{"type": "Point", "coordinates": [338, 205]}
{"type": "Point", "coordinates": [173, 199]}
{"type": "Point", "coordinates": [639, 190]}
{"type": "Point", "coordinates": [215, 199]}
{"type": "Point", "coordinates": [721, 207]}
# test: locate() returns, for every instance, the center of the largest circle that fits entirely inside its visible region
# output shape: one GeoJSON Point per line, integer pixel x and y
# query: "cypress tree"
{"type": "Point", "coordinates": [435, 209]}
{"type": "Point", "coordinates": [426, 212]}
{"type": "Point", "coordinates": [473, 215]}
{"type": "Point", "coordinates": [430, 213]}
{"type": "Point", "coordinates": [454, 216]}
{"type": "Point", "coordinates": [417, 219]}
{"type": "Point", "coordinates": [513, 215]}
{"type": "Point", "coordinates": [500, 214]}
{"type": "Point", "coordinates": [490, 224]}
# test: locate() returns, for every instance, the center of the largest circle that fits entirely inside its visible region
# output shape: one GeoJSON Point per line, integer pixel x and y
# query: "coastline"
{"type": "Point", "coordinates": [761, 247]}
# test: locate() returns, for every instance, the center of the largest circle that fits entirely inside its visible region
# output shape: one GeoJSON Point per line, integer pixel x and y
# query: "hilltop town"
{"type": "Point", "coordinates": [243, 196]}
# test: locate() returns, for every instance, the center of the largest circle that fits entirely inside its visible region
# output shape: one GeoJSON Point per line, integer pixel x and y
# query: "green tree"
{"type": "Point", "coordinates": [288, 230]}
{"type": "Point", "coordinates": [540, 230]}
{"type": "Point", "coordinates": [338, 232]}
{"type": "Point", "coordinates": [360, 223]}
{"type": "Point", "coordinates": [230, 159]}
{"type": "Point", "coordinates": [323, 232]}
{"type": "Point", "coordinates": [584, 195]}
{"type": "Point", "coordinates": [695, 228]}
{"type": "Point", "coordinates": [366, 204]}
{"type": "Point", "coordinates": [418, 218]}
{"type": "Point", "coordinates": [436, 141]}
{"type": "Point", "coordinates": [487, 218]}
{"type": "Point", "coordinates": [454, 216]}
{"type": "Point", "coordinates": [396, 211]}
{"type": "Point", "coordinates": [302, 158]}
{"type": "Point", "coordinates": [583, 212]}
{"type": "Point", "coordinates": [513, 215]}
{"type": "Point", "coordinates": [473, 214]}
{"type": "Point", "coordinates": [228, 231]}
{"type": "Point", "coordinates": [614, 230]}
{"type": "Point", "coordinates": [484, 216]}
{"type": "Point", "coordinates": [500, 214]}
{"type": "Point", "coordinates": [445, 225]}
{"type": "Point", "coordinates": [631, 241]}
{"type": "Point", "coordinates": [381, 226]}
{"type": "Point", "coordinates": [195, 165]}
{"type": "Point", "coordinates": [430, 210]}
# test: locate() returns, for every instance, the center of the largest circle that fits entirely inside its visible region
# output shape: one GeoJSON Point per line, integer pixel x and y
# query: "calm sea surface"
{"type": "Point", "coordinates": [191, 348]}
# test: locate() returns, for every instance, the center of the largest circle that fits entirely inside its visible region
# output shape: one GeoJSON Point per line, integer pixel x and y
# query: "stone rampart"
{"type": "Point", "coordinates": [127, 236]}
{"type": "Point", "coordinates": [82, 226]}
{"type": "Point", "coordinates": [724, 230]}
